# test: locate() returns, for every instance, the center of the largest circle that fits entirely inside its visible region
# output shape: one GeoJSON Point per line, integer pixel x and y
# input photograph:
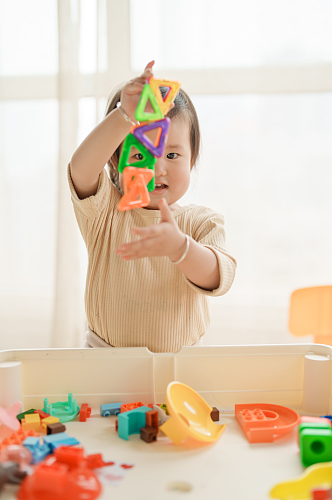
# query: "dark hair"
{"type": "Point", "coordinates": [182, 107]}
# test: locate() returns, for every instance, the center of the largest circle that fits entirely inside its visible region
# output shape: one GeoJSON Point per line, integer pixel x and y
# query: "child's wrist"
{"type": "Point", "coordinates": [181, 254]}
{"type": "Point", "coordinates": [126, 116]}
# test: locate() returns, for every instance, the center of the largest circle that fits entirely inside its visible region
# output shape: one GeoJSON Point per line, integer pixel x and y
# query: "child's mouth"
{"type": "Point", "coordinates": [160, 189]}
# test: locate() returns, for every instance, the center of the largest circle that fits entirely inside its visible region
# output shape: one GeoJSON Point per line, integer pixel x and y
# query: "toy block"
{"type": "Point", "coordinates": [31, 441]}
{"type": "Point", "coordinates": [173, 88]}
{"type": "Point", "coordinates": [70, 441]}
{"type": "Point", "coordinates": [110, 409]}
{"type": "Point", "coordinates": [22, 415]}
{"type": "Point", "coordinates": [148, 434]}
{"type": "Point", "coordinates": [130, 174]}
{"type": "Point", "coordinates": [137, 194]}
{"type": "Point", "coordinates": [215, 414]}
{"type": "Point", "coordinates": [116, 425]}
{"type": "Point", "coordinates": [64, 410]}
{"type": "Point", "coordinates": [315, 445]}
{"type": "Point", "coordinates": [17, 437]}
{"type": "Point", "coordinates": [152, 419]}
{"type": "Point", "coordinates": [31, 421]}
{"type": "Point", "coordinates": [73, 457]}
{"type": "Point", "coordinates": [52, 438]}
{"type": "Point", "coordinates": [147, 95]}
{"type": "Point", "coordinates": [130, 142]}
{"type": "Point", "coordinates": [131, 406]}
{"type": "Point", "coordinates": [46, 421]}
{"type": "Point", "coordinates": [85, 412]}
{"type": "Point", "coordinates": [42, 414]}
{"type": "Point", "coordinates": [140, 134]}
{"type": "Point", "coordinates": [55, 428]}
{"type": "Point", "coordinates": [321, 494]}
{"type": "Point", "coordinates": [131, 422]}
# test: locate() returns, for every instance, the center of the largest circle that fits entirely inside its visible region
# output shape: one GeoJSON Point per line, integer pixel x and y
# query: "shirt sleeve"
{"type": "Point", "coordinates": [90, 210]}
{"type": "Point", "coordinates": [211, 234]}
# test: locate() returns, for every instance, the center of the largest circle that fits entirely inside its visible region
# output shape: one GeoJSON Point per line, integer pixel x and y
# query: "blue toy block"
{"type": "Point", "coordinates": [31, 441]}
{"type": "Point", "coordinates": [130, 422]}
{"type": "Point", "coordinates": [66, 442]}
{"type": "Point", "coordinates": [327, 416]}
{"type": "Point", "coordinates": [110, 409]}
{"type": "Point", "coordinates": [59, 436]}
{"type": "Point", "coordinates": [40, 452]}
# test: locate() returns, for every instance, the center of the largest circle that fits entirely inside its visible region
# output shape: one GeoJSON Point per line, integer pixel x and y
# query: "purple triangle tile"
{"type": "Point", "coordinates": [140, 132]}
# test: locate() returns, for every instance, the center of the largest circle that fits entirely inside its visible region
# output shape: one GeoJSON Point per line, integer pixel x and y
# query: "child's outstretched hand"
{"type": "Point", "coordinates": [132, 91]}
{"type": "Point", "coordinates": [163, 239]}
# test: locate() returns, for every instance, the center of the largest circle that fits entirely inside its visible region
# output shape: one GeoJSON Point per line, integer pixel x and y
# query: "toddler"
{"type": "Point", "coordinates": [151, 269]}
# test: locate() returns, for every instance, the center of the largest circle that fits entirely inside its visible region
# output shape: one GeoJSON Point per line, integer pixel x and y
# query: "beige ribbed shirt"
{"type": "Point", "coordinates": [145, 302]}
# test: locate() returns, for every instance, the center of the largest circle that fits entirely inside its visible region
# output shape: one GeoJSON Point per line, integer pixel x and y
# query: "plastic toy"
{"type": "Point", "coordinates": [110, 409]}
{"type": "Point", "coordinates": [39, 450]}
{"type": "Point", "coordinates": [31, 421]}
{"type": "Point", "coordinates": [55, 428]}
{"type": "Point", "coordinates": [315, 420]}
{"type": "Point", "coordinates": [8, 417]}
{"type": "Point", "coordinates": [300, 488]}
{"type": "Point", "coordinates": [85, 412]}
{"type": "Point", "coordinates": [164, 407]}
{"type": "Point", "coordinates": [328, 417]}
{"type": "Point", "coordinates": [59, 439]}
{"type": "Point", "coordinates": [156, 149]}
{"type": "Point", "coordinates": [215, 414]}
{"type": "Point", "coordinates": [131, 406]}
{"type": "Point", "coordinates": [47, 421]}
{"type": "Point", "coordinates": [57, 481]}
{"type": "Point", "coordinates": [152, 419]}
{"type": "Point", "coordinates": [315, 444]}
{"type": "Point", "coordinates": [173, 88]}
{"type": "Point", "coordinates": [135, 180]}
{"type": "Point", "coordinates": [42, 414]}
{"type": "Point", "coordinates": [190, 416]}
{"type": "Point", "coordinates": [148, 434]}
{"type": "Point", "coordinates": [65, 411]}
{"type": "Point", "coordinates": [321, 494]}
{"type": "Point", "coordinates": [264, 423]}
{"type": "Point", "coordinates": [131, 422]}
{"type": "Point", "coordinates": [22, 415]}
{"type": "Point", "coordinates": [310, 313]}
{"type": "Point", "coordinates": [148, 159]}
{"type": "Point", "coordinates": [17, 438]}
{"type": "Point", "coordinates": [147, 95]}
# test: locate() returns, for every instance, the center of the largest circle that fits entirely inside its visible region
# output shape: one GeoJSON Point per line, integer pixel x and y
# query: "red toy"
{"type": "Point", "coordinates": [85, 412]}
{"type": "Point", "coordinates": [263, 423]}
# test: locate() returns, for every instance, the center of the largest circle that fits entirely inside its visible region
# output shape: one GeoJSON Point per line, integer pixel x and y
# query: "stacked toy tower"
{"type": "Point", "coordinates": [139, 176]}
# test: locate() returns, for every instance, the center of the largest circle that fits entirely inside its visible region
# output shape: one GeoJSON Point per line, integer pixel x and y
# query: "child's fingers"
{"type": "Point", "coordinates": [136, 247]}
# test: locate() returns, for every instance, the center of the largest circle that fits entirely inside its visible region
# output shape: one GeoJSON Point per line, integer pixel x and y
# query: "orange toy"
{"type": "Point", "coordinates": [17, 437]}
{"type": "Point", "coordinates": [263, 423]}
{"type": "Point", "coordinates": [136, 194]}
{"type": "Point", "coordinates": [311, 313]}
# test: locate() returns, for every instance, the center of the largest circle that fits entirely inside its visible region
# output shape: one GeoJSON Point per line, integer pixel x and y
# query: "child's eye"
{"type": "Point", "coordinates": [138, 156]}
{"type": "Point", "coordinates": [172, 156]}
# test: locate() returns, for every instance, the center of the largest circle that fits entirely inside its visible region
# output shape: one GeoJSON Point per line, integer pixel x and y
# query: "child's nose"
{"type": "Point", "coordinates": [160, 168]}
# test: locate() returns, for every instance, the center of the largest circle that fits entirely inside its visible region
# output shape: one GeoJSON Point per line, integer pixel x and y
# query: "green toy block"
{"type": "Point", "coordinates": [315, 445]}
{"type": "Point", "coordinates": [147, 161]}
{"type": "Point", "coordinates": [131, 422]}
{"type": "Point", "coordinates": [314, 425]}
{"type": "Point", "coordinates": [140, 114]}
{"type": "Point", "coordinates": [22, 415]}
{"type": "Point", "coordinates": [64, 410]}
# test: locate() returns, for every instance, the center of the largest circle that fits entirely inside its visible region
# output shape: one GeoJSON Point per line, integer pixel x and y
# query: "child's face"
{"type": "Point", "coordinates": [172, 170]}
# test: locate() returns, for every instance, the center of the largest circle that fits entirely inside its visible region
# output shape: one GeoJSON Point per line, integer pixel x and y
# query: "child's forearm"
{"type": "Point", "coordinates": [200, 265]}
{"type": "Point", "coordinates": [91, 156]}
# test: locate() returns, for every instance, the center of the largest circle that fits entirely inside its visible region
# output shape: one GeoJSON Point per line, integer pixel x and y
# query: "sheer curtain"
{"type": "Point", "coordinates": [260, 75]}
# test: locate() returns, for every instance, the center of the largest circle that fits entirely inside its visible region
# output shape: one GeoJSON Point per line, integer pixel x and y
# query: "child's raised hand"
{"type": "Point", "coordinates": [132, 91]}
{"type": "Point", "coordinates": [163, 239]}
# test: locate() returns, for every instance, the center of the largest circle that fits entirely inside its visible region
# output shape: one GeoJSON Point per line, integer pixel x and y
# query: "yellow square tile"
{"type": "Point", "coordinates": [31, 421]}
{"type": "Point", "coordinates": [48, 420]}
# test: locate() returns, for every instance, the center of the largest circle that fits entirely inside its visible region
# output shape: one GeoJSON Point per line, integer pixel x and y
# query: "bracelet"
{"type": "Point", "coordinates": [125, 116]}
{"type": "Point", "coordinates": [185, 252]}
